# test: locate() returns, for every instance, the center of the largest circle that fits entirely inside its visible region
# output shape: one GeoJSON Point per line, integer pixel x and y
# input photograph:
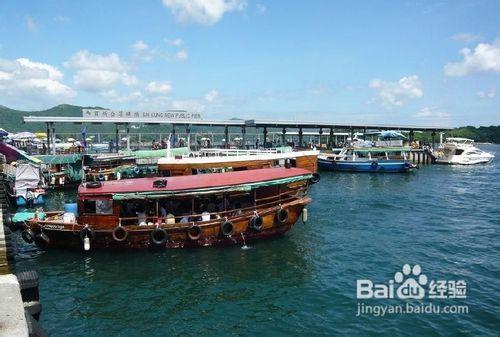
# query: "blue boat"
{"type": "Point", "coordinates": [367, 159]}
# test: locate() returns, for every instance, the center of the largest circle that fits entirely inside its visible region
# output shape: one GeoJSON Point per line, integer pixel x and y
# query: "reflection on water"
{"type": "Point", "coordinates": [360, 226]}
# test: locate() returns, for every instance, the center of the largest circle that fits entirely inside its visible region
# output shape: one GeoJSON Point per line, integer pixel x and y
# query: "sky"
{"type": "Point", "coordinates": [406, 62]}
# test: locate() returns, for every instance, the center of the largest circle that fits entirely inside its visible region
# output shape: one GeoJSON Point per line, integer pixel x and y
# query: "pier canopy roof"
{"type": "Point", "coordinates": [131, 120]}
{"type": "Point", "coordinates": [196, 184]}
{"type": "Point", "coordinates": [327, 125]}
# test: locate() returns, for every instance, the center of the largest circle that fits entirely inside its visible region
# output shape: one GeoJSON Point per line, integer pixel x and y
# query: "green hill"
{"type": "Point", "coordinates": [12, 120]}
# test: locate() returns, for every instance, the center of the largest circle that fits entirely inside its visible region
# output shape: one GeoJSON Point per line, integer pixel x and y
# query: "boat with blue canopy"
{"type": "Point", "coordinates": [367, 159]}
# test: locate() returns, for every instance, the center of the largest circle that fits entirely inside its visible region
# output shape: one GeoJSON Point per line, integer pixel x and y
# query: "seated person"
{"type": "Point", "coordinates": [205, 216]}
{"type": "Point", "coordinates": [141, 217]}
{"type": "Point", "coordinates": [170, 219]}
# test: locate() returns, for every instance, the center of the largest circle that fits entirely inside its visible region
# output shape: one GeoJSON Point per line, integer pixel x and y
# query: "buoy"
{"type": "Point", "coordinates": [282, 215]}
{"type": "Point", "coordinates": [315, 178]}
{"type": "Point", "coordinates": [86, 243]}
{"type": "Point", "coordinates": [256, 222]}
{"type": "Point", "coordinates": [304, 215]}
{"type": "Point", "coordinates": [227, 228]}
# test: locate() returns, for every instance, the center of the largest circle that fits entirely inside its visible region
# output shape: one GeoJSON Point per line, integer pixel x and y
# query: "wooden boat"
{"type": "Point", "coordinates": [125, 164]}
{"type": "Point", "coordinates": [176, 212]}
{"type": "Point", "coordinates": [220, 160]}
{"type": "Point", "coordinates": [63, 170]}
{"type": "Point", "coordinates": [367, 159]}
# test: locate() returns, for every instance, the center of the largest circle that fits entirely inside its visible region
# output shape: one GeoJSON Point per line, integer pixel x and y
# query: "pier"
{"type": "Point", "coordinates": [19, 299]}
{"type": "Point", "coordinates": [266, 132]}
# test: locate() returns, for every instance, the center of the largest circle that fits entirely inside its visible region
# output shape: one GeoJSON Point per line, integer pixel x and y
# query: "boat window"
{"type": "Point", "coordinates": [100, 206]}
{"type": "Point", "coordinates": [458, 152]}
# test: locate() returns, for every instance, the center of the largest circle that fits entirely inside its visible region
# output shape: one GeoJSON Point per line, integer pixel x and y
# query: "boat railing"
{"type": "Point", "coordinates": [274, 201]}
{"type": "Point", "coordinates": [237, 152]}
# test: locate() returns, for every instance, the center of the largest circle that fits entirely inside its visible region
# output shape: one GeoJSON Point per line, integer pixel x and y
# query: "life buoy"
{"type": "Point", "coordinates": [101, 176]}
{"type": "Point", "coordinates": [315, 178]}
{"type": "Point", "coordinates": [42, 240]}
{"type": "Point", "coordinates": [136, 170]}
{"type": "Point", "coordinates": [87, 232]}
{"type": "Point", "coordinates": [119, 234]}
{"type": "Point", "coordinates": [282, 215]}
{"type": "Point", "coordinates": [374, 164]}
{"type": "Point", "coordinates": [158, 237]}
{"type": "Point", "coordinates": [28, 235]}
{"type": "Point", "coordinates": [227, 228]}
{"type": "Point", "coordinates": [194, 232]}
{"type": "Point", "coordinates": [256, 223]}
{"type": "Point", "coordinates": [93, 184]}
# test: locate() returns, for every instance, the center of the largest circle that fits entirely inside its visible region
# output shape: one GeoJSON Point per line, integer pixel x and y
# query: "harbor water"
{"type": "Point", "coordinates": [361, 226]}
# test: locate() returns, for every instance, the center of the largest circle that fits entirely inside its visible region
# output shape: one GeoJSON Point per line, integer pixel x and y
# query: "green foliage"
{"type": "Point", "coordinates": [482, 134]}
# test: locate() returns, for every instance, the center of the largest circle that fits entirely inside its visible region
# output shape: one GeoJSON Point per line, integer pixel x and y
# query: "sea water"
{"type": "Point", "coordinates": [361, 227]}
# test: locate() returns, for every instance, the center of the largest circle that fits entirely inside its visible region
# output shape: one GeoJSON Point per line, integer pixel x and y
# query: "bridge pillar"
{"type": "Point", "coordinates": [301, 134]}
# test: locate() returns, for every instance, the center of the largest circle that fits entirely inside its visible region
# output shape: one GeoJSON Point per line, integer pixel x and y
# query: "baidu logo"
{"type": "Point", "coordinates": [410, 283]}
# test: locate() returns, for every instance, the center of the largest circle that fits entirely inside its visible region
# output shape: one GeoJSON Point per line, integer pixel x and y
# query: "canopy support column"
{"type": "Point", "coordinates": [265, 136]}
{"type": "Point", "coordinates": [243, 137]}
{"type": "Point", "coordinates": [117, 138]}
{"type": "Point", "coordinates": [47, 149]}
{"type": "Point", "coordinates": [53, 138]}
{"type": "Point", "coordinates": [330, 139]}
{"type": "Point", "coordinates": [188, 135]}
{"type": "Point", "coordinates": [128, 137]}
{"type": "Point", "coordinates": [226, 137]}
{"type": "Point", "coordinates": [173, 136]}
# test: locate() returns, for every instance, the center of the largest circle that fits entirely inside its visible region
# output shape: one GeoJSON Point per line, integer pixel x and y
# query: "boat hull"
{"type": "Point", "coordinates": [380, 166]}
{"type": "Point", "coordinates": [68, 235]}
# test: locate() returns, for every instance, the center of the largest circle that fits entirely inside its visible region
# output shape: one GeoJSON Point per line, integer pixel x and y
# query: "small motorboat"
{"type": "Point", "coordinates": [461, 151]}
{"type": "Point", "coordinates": [367, 159]}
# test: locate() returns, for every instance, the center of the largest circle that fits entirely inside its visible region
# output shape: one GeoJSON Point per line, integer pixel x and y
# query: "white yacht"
{"type": "Point", "coordinates": [461, 151]}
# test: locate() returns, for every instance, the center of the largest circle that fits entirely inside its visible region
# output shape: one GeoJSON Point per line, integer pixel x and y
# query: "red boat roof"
{"type": "Point", "coordinates": [199, 181]}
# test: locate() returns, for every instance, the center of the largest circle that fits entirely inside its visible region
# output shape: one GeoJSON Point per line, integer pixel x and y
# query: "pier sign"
{"type": "Point", "coordinates": [152, 116]}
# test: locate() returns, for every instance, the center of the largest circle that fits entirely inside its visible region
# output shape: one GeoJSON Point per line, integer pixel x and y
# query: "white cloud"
{"type": "Point", "coordinates": [175, 42]}
{"type": "Point", "coordinates": [116, 97]}
{"type": "Point", "coordinates": [62, 19]}
{"type": "Point", "coordinates": [393, 93]}
{"type": "Point", "coordinates": [182, 55]}
{"type": "Point", "coordinates": [96, 72]}
{"type": "Point", "coordinates": [484, 58]}
{"type": "Point", "coordinates": [192, 105]}
{"type": "Point", "coordinates": [489, 94]}
{"type": "Point", "coordinates": [140, 45]}
{"type": "Point", "coordinates": [211, 96]}
{"type": "Point", "coordinates": [261, 8]}
{"type": "Point", "coordinates": [159, 88]}
{"type": "Point", "coordinates": [466, 37]}
{"type": "Point", "coordinates": [206, 12]}
{"type": "Point", "coordinates": [31, 24]}
{"type": "Point", "coordinates": [23, 79]}
{"type": "Point", "coordinates": [428, 112]}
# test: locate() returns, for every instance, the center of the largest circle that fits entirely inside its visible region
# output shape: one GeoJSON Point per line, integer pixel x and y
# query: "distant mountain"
{"type": "Point", "coordinates": [12, 120]}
